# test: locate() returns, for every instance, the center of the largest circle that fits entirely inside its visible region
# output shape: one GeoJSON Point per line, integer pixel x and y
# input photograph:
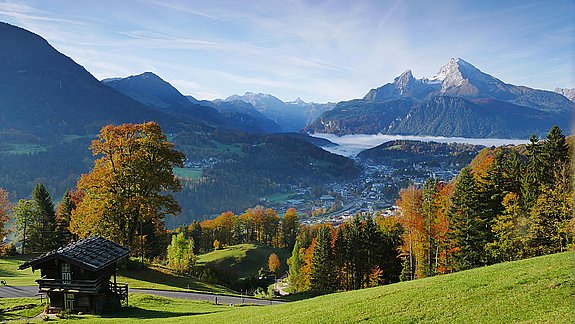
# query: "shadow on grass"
{"type": "Point", "coordinates": [161, 278]}
{"type": "Point", "coordinates": [139, 313]}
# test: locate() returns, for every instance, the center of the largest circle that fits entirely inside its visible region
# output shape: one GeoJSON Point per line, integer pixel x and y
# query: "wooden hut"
{"type": "Point", "coordinates": [78, 277]}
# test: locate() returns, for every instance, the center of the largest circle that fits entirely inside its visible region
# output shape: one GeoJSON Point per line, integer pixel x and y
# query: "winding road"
{"type": "Point", "coordinates": [32, 291]}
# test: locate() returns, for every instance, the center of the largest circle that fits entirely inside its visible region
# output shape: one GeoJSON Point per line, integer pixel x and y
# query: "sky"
{"type": "Point", "coordinates": [317, 50]}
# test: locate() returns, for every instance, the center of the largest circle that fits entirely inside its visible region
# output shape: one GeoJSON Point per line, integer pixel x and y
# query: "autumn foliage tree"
{"type": "Point", "coordinates": [273, 263]}
{"type": "Point", "coordinates": [5, 208]}
{"type": "Point", "coordinates": [129, 183]}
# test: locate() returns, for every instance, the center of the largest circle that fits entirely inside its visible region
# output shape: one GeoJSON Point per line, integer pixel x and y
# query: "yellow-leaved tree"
{"type": "Point", "coordinates": [274, 263]}
{"type": "Point", "coordinates": [129, 184]}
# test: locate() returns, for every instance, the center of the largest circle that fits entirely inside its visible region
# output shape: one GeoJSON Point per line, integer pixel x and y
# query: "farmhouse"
{"type": "Point", "coordinates": [77, 277]}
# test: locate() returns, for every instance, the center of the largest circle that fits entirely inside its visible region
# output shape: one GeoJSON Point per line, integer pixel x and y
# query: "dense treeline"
{"type": "Point", "coordinates": [360, 253]}
{"type": "Point", "coordinates": [407, 152]}
{"type": "Point", "coordinates": [510, 203]}
{"type": "Point", "coordinates": [257, 225]}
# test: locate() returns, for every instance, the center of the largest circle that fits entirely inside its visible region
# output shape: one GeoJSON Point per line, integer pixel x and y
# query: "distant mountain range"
{"type": "Point", "coordinates": [41, 91]}
{"type": "Point", "coordinates": [292, 116]}
{"type": "Point", "coordinates": [251, 112]}
{"type": "Point", "coordinates": [460, 100]}
{"type": "Point", "coordinates": [148, 88]}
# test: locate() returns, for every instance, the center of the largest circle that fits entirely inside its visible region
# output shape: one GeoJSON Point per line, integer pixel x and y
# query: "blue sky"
{"type": "Point", "coordinates": [317, 50]}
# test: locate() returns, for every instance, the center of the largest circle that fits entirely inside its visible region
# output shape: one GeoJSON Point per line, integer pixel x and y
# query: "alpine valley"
{"type": "Point", "coordinates": [51, 108]}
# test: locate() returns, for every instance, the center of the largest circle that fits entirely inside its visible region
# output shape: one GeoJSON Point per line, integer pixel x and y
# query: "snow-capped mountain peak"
{"type": "Point", "coordinates": [450, 69]}
{"type": "Point", "coordinates": [298, 101]}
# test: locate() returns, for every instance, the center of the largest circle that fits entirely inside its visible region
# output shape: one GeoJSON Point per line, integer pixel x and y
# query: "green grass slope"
{"type": "Point", "coordinates": [242, 260]}
{"type": "Point", "coordinates": [14, 277]}
{"type": "Point", "coordinates": [159, 278]}
{"type": "Point", "coordinates": [537, 290]}
{"type": "Point", "coordinates": [533, 290]}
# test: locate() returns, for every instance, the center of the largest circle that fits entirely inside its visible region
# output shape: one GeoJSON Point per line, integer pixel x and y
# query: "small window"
{"type": "Point", "coordinates": [66, 273]}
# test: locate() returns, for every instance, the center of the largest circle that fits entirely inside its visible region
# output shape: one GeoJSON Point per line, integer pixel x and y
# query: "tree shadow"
{"type": "Point", "coordinates": [140, 313]}
{"type": "Point", "coordinates": [161, 278]}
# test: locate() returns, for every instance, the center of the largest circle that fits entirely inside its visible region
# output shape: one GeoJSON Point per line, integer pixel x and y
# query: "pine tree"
{"type": "Point", "coordinates": [46, 218]}
{"type": "Point", "coordinates": [371, 240]}
{"type": "Point", "coordinates": [63, 216]}
{"type": "Point", "coordinates": [355, 253]}
{"type": "Point", "coordinates": [534, 173]}
{"type": "Point", "coordinates": [512, 173]}
{"type": "Point", "coordinates": [428, 213]}
{"type": "Point", "coordinates": [339, 255]}
{"type": "Point", "coordinates": [322, 271]}
{"type": "Point", "coordinates": [470, 228]}
{"type": "Point", "coordinates": [555, 152]}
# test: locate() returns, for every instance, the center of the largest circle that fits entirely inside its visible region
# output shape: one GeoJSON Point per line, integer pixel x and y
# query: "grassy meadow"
{"type": "Point", "coordinates": [159, 278]}
{"type": "Point", "coordinates": [188, 173]}
{"type": "Point", "coordinates": [537, 290]}
{"type": "Point", "coordinates": [242, 260]}
{"type": "Point", "coordinates": [14, 277]}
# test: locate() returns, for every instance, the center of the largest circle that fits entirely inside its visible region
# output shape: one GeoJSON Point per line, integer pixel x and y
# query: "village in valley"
{"type": "Point", "coordinates": [375, 192]}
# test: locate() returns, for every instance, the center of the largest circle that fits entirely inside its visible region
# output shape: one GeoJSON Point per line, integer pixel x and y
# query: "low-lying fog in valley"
{"type": "Point", "coordinates": [351, 145]}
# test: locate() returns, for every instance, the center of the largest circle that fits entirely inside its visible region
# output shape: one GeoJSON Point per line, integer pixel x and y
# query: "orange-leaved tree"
{"type": "Point", "coordinates": [5, 208]}
{"type": "Point", "coordinates": [274, 263]}
{"type": "Point", "coordinates": [129, 184]}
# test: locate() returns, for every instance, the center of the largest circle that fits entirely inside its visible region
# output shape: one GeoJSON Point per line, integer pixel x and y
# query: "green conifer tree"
{"type": "Point", "coordinates": [534, 173]}
{"type": "Point", "coordinates": [471, 230]}
{"type": "Point", "coordinates": [322, 271]}
{"type": "Point", "coordinates": [46, 218]}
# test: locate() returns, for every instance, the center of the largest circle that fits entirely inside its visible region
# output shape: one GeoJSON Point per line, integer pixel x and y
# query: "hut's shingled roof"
{"type": "Point", "coordinates": [93, 253]}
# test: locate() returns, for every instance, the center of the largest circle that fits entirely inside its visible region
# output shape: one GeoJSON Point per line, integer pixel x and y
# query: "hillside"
{"type": "Point", "coordinates": [537, 290]}
{"type": "Point", "coordinates": [242, 260]}
{"type": "Point", "coordinates": [45, 95]}
{"type": "Point", "coordinates": [409, 152]}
